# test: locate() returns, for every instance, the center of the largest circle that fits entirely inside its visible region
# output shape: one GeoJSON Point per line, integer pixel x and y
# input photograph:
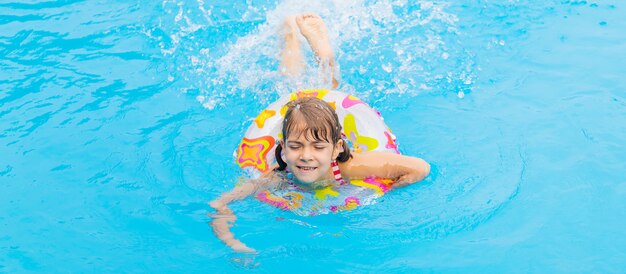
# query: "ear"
{"type": "Point", "coordinates": [338, 149]}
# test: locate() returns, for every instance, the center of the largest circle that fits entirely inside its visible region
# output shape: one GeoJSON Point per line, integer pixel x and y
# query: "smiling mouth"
{"type": "Point", "coordinates": [306, 168]}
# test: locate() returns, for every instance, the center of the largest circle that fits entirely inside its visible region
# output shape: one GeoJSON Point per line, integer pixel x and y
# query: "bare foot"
{"type": "Point", "coordinates": [314, 30]}
{"type": "Point", "coordinates": [292, 61]}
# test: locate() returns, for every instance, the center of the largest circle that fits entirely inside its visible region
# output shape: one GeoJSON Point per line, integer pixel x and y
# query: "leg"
{"type": "Point", "coordinates": [314, 30]}
{"type": "Point", "coordinates": [291, 59]}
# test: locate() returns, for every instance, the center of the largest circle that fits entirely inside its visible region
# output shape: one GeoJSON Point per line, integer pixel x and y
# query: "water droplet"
{"type": "Point", "coordinates": [388, 67]}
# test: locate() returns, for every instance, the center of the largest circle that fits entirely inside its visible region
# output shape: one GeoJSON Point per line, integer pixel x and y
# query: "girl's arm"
{"type": "Point", "coordinates": [224, 218]}
{"type": "Point", "coordinates": [405, 169]}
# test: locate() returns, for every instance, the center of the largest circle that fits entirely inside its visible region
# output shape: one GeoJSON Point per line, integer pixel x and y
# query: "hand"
{"type": "Point", "coordinates": [221, 223]}
{"type": "Point", "coordinates": [404, 180]}
{"type": "Point", "coordinates": [217, 204]}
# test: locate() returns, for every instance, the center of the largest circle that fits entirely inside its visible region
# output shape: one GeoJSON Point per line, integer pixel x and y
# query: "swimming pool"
{"type": "Point", "coordinates": [118, 122]}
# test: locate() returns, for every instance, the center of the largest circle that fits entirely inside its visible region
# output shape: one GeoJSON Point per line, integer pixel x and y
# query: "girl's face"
{"type": "Point", "coordinates": [309, 160]}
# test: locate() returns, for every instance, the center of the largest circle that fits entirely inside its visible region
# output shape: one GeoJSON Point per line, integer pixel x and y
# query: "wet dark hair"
{"type": "Point", "coordinates": [317, 120]}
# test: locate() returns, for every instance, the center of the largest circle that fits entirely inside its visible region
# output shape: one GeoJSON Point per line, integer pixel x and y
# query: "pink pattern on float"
{"type": "Point", "coordinates": [268, 198]}
{"type": "Point", "coordinates": [350, 101]}
{"type": "Point", "coordinates": [382, 184]}
{"type": "Point", "coordinates": [350, 203]}
{"type": "Point", "coordinates": [353, 199]}
{"type": "Point", "coordinates": [391, 143]}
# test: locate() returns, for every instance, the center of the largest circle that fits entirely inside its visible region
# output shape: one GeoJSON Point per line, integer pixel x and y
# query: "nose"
{"type": "Point", "coordinates": [306, 155]}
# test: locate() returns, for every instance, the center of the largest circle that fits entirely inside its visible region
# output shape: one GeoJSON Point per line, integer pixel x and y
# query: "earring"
{"type": "Point", "coordinates": [337, 173]}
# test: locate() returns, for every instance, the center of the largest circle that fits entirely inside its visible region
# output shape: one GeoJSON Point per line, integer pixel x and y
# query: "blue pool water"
{"type": "Point", "coordinates": [118, 121]}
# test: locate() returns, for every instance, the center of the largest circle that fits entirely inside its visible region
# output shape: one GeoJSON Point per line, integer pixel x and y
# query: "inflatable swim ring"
{"type": "Point", "coordinates": [363, 129]}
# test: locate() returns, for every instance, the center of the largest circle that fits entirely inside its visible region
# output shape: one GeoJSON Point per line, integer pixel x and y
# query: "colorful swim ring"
{"type": "Point", "coordinates": [363, 129]}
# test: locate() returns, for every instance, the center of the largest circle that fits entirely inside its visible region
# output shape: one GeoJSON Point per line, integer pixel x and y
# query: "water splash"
{"type": "Point", "coordinates": [382, 47]}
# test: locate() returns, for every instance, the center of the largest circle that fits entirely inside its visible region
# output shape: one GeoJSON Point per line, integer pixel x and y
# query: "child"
{"type": "Point", "coordinates": [312, 150]}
